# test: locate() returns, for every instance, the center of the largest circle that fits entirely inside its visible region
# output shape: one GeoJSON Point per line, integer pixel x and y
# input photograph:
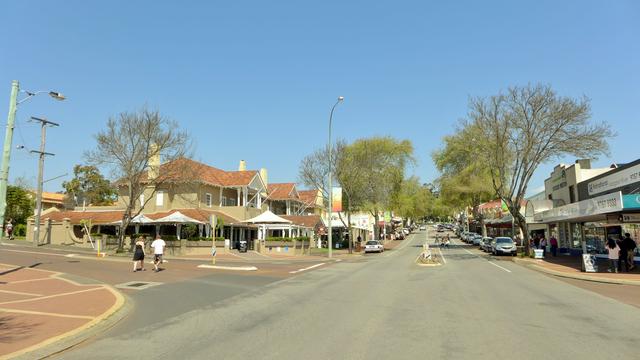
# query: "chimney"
{"type": "Point", "coordinates": [584, 163]}
{"type": "Point", "coordinates": [263, 175]}
{"type": "Point", "coordinates": [154, 162]}
{"type": "Point", "coordinates": [242, 166]}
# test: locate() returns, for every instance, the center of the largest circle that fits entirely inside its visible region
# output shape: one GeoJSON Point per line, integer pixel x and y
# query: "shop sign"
{"type": "Point", "coordinates": [615, 180]}
{"type": "Point", "coordinates": [630, 218]}
{"type": "Point", "coordinates": [631, 201]}
{"type": "Point", "coordinates": [595, 206]}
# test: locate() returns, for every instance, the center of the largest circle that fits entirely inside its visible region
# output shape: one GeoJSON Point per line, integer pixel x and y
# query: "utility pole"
{"type": "Point", "coordinates": [6, 152]}
{"type": "Point", "coordinates": [42, 153]}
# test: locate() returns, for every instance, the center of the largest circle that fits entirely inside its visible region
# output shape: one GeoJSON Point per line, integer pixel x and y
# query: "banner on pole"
{"type": "Point", "coordinates": [337, 199]}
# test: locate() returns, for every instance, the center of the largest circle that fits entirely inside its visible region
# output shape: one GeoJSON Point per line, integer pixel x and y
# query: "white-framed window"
{"type": "Point", "coordinates": [228, 201]}
{"type": "Point", "coordinates": [159, 198]}
{"type": "Point", "coordinates": [208, 199]}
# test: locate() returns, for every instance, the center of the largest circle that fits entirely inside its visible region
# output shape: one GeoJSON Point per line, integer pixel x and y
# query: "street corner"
{"type": "Point", "coordinates": [42, 312]}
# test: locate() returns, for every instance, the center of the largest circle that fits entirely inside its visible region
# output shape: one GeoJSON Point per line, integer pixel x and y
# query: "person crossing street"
{"type": "Point", "coordinates": [158, 246]}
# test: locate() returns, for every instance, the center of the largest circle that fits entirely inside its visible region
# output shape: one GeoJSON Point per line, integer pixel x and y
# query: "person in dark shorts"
{"type": "Point", "coordinates": [138, 255]}
{"type": "Point", "coordinates": [158, 249]}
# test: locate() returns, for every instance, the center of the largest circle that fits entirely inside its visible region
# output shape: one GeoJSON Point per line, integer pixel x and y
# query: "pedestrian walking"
{"type": "Point", "coordinates": [554, 245]}
{"type": "Point", "coordinates": [622, 257]}
{"type": "Point", "coordinates": [630, 245]}
{"type": "Point", "coordinates": [9, 228]}
{"type": "Point", "coordinates": [138, 255]}
{"type": "Point", "coordinates": [614, 254]}
{"type": "Point", "coordinates": [543, 245]}
{"type": "Point", "coordinates": [158, 249]}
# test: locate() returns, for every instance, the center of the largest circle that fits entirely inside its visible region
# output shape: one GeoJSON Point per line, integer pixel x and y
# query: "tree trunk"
{"type": "Point", "coordinates": [376, 226]}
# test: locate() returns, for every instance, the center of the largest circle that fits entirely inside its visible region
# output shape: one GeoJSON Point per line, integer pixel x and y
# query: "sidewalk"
{"type": "Point", "coordinates": [571, 267]}
{"type": "Point", "coordinates": [39, 308]}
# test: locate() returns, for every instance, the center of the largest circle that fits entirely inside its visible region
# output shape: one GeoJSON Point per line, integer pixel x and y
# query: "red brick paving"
{"type": "Point", "coordinates": [49, 307]}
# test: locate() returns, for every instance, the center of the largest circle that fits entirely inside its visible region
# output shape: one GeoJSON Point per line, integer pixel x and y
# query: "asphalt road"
{"type": "Point", "coordinates": [381, 307]}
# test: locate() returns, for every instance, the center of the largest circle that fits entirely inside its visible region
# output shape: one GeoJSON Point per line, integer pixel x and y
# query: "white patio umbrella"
{"type": "Point", "coordinates": [178, 218]}
{"type": "Point", "coordinates": [139, 219]}
{"type": "Point", "coordinates": [267, 217]}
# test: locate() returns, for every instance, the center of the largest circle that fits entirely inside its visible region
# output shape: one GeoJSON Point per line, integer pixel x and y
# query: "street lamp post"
{"type": "Point", "coordinates": [8, 139]}
{"type": "Point", "coordinates": [330, 207]}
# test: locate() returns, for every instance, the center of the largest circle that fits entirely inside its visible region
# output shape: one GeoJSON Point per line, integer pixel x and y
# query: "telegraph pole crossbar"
{"type": "Point", "coordinates": [42, 153]}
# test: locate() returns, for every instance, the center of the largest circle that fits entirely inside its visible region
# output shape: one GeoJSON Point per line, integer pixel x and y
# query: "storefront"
{"type": "Point", "coordinates": [584, 226]}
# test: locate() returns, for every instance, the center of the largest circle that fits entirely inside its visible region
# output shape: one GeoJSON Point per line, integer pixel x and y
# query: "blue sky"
{"type": "Point", "coordinates": [256, 80]}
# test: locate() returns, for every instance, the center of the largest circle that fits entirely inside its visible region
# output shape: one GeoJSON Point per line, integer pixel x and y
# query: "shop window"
{"type": "Point", "coordinates": [576, 236]}
{"type": "Point", "coordinates": [595, 239]}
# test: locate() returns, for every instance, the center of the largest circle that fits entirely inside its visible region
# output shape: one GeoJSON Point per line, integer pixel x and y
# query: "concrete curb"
{"type": "Point", "coordinates": [60, 343]}
{"type": "Point", "coordinates": [539, 268]}
{"type": "Point", "coordinates": [236, 268]}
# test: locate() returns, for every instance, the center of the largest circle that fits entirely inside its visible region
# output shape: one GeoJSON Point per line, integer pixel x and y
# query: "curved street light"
{"type": "Point", "coordinates": [330, 207]}
{"type": "Point", "coordinates": [8, 139]}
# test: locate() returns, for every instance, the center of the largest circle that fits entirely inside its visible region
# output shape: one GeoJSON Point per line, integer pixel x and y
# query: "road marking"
{"type": "Point", "coordinates": [305, 269]}
{"type": "Point", "coordinates": [238, 268]}
{"type": "Point", "coordinates": [19, 293]}
{"type": "Point", "coordinates": [489, 261]}
{"type": "Point", "coordinates": [494, 264]}
{"type": "Point", "coordinates": [442, 255]}
{"type": "Point", "coordinates": [47, 314]}
{"type": "Point", "coordinates": [52, 296]}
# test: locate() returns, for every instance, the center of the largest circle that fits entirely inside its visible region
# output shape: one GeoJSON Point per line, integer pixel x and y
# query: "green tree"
{"type": "Point", "coordinates": [379, 164]}
{"type": "Point", "coordinates": [127, 145]}
{"type": "Point", "coordinates": [89, 187]}
{"type": "Point", "coordinates": [529, 126]}
{"type": "Point", "coordinates": [20, 204]}
{"type": "Point", "coordinates": [465, 179]}
{"type": "Point", "coordinates": [413, 200]}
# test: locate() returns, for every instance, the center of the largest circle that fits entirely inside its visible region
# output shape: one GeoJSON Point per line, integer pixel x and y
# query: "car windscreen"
{"type": "Point", "coordinates": [372, 243]}
{"type": "Point", "coordinates": [504, 241]}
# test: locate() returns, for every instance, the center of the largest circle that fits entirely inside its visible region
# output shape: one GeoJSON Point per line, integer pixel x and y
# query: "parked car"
{"type": "Point", "coordinates": [485, 245]}
{"type": "Point", "coordinates": [373, 246]}
{"type": "Point", "coordinates": [423, 227]}
{"type": "Point", "coordinates": [503, 245]}
{"type": "Point", "coordinates": [476, 239]}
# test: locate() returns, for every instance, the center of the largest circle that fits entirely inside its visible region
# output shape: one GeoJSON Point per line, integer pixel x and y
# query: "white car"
{"type": "Point", "coordinates": [373, 246]}
{"type": "Point", "coordinates": [423, 228]}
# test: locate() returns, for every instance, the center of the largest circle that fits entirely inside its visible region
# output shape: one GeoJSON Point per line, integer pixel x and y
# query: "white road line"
{"type": "Point", "coordinates": [305, 269]}
{"type": "Point", "coordinates": [490, 262]}
{"type": "Point", "coordinates": [442, 256]}
{"type": "Point", "coordinates": [238, 268]}
{"type": "Point", "coordinates": [494, 264]}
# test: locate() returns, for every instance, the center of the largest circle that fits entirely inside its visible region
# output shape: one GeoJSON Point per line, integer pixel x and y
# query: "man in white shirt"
{"type": "Point", "coordinates": [158, 249]}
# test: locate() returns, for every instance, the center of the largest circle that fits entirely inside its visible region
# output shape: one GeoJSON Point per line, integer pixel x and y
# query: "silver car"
{"type": "Point", "coordinates": [373, 246]}
{"type": "Point", "coordinates": [503, 245]}
{"type": "Point", "coordinates": [485, 244]}
{"type": "Point", "coordinates": [476, 239]}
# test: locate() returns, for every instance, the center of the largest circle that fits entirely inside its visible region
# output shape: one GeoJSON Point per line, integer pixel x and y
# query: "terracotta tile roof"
{"type": "Point", "coordinates": [184, 169]}
{"type": "Point", "coordinates": [112, 216]}
{"type": "Point", "coordinates": [52, 197]}
{"type": "Point", "coordinates": [308, 221]}
{"type": "Point", "coordinates": [282, 191]}
{"type": "Point", "coordinates": [309, 197]}
{"type": "Point", "coordinates": [96, 217]}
